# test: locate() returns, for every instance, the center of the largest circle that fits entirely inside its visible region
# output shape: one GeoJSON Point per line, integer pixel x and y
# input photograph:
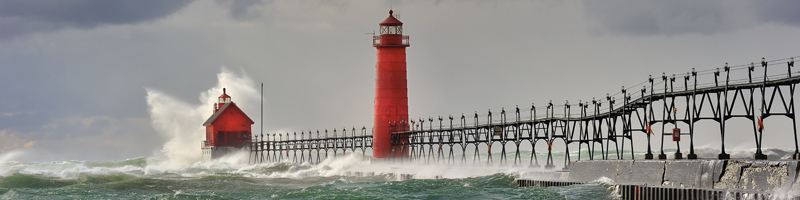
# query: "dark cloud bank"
{"type": "Point", "coordinates": [20, 17]}
{"type": "Point", "coordinates": [689, 17]}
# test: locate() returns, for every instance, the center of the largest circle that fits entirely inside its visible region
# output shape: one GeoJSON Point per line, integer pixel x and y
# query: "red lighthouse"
{"type": "Point", "coordinates": [391, 92]}
{"type": "Point", "coordinates": [227, 130]}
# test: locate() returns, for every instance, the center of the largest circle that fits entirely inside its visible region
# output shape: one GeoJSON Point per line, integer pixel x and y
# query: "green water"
{"type": "Point", "coordinates": [134, 179]}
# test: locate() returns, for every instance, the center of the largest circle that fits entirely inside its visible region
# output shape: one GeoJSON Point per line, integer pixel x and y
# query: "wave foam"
{"type": "Point", "coordinates": [181, 122]}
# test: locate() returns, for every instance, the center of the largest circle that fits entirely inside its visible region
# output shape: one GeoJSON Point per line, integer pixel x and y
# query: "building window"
{"type": "Point", "coordinates": [391, 30]}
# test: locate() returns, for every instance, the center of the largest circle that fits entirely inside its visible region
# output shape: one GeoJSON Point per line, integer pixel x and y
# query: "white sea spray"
{"type": "Point", "coordinates": [180, 123]}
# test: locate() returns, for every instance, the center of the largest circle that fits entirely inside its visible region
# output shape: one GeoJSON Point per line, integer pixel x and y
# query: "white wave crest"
{"type": "Point", "coordinates": [181, 122]}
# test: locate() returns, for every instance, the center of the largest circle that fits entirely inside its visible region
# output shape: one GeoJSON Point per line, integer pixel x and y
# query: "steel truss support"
{"type": "Point", "coordinates": [594, 126]}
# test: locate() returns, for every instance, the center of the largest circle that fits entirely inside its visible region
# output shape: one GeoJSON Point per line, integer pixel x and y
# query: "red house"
{"type": "Point", "coordinates": [228, 129]}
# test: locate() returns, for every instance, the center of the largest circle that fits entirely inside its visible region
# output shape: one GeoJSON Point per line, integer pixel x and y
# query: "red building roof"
{"type": "Point", "coordinates": [391, 21]}
{"type": "Point", "coordinates": [223, 94]}
{"type": "Point", "coordinates": [224, 108]}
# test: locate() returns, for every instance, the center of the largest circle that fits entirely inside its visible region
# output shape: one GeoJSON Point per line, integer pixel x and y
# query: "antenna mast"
{"type": "Point", "coordinates": [262, 108]}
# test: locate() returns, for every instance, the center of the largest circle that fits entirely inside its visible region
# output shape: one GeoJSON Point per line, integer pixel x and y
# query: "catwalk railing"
{"type": "Point", "coordinates": [309, 147]}
{"type": "Point", "coordinates": [592, 125]}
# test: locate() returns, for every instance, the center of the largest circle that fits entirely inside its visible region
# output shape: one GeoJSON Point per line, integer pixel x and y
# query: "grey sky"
{"type": "Point", "coordinates": [74, 73]}
{"type": "Point", "coordinates": [25, 17]}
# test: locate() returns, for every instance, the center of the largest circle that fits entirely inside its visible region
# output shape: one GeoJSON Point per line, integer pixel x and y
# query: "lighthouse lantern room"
{"type": "Point", "coordinates": [227, 130]}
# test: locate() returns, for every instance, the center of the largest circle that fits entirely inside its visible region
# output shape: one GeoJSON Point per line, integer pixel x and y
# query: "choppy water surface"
{"type": "Point", "coordinates": [140, 179]}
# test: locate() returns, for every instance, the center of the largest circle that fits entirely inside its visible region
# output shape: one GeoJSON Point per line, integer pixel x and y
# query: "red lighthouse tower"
{"type": "Point", "coordinates": [227, 130]}
{"type": "Point", "coordinates": [391, 91]}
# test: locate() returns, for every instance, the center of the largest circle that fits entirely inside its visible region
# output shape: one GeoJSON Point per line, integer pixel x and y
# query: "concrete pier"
{"type": "Point", "coordinates": [682, 179]}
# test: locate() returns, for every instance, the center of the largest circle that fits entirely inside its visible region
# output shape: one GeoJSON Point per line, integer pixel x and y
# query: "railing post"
{"type": "Point", "coordinates": [796, 154]}
{"type": "Point", "coordinates": [565, 138]}
{"type": "Point", "coordinates": [674, 116]}
{"type": "Point", "coordinates": [477, 137]}
{"type": "Point", "coordinates": [662, 156]}
{"type": "Point", "coordinates": [551, 130]}
{"type": "Point", "coordinates": [430, 140]}
{"type": "Point", "coordinates": [439, 153]}
{"type": "Point", "coordinates": [353, 139]}
{"type": "Point", "coordinates": [262, 148]}
{"type": "Point", "coordinates": [648, 115]}
{"type": "Point", "coordinates": [282, 146]}
{"type": "Point", "coordinates": [790, 64]}
{"type": "Point", "coordinates": [723, 114]}
{"type": "Point", "coordinates": [760, 138]}
{"type": "Point", "coordinates": [451, 141]}
{"type": "Point", "coordinates": [626, 131]}
{"type": "Point", "coordinates": [363, 141]}
{"type": "Point", "coordinates": [719, 111]}
{"type": "Point", "coordinates": [253, 149]}
{"type": "Point", "coordinates": [489, 137]}
{"type": "Point", "coordinates": [272, 148]}
{"type": "Point", "coordinates": [692, 155]}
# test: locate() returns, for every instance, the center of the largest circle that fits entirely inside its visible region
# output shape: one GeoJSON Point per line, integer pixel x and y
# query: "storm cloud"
{"type": "Point", "coordinates": [244, 9]}
{"type": "Point", "coordinates": [688, 17]}
{"type": "Point", "coordinates": [20, 17]}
